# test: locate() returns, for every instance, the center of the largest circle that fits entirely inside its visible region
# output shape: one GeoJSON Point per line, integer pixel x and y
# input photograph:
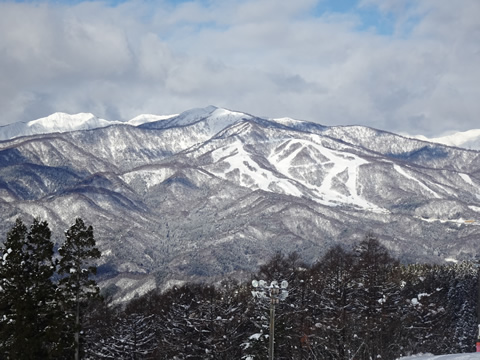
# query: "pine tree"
{"type": "Point", "coordinates": [75, 269]}
{"type": "Point", "coordinates": [331, 306]}
{"type": "Point", "coordinates": [376, 294]}
{"type": "Point", "coordinates": [28, 306]}
{"type": "Point", "coordinates": [13, 288]}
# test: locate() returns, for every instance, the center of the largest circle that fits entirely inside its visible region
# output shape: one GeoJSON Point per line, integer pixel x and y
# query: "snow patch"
{"type": "Point", "coordinates": [466, 178]}
{"type": "Point", "coordinates": [255, 336]}
{"type": "Point", "coordinates": [408, 176]}
{"type": "Point", "coordinates": [149, 177]}
{"type": "Point", "coordinates": [146, 118]}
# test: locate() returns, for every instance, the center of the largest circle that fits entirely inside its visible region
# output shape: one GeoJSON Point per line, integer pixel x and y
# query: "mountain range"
{"type": "Point", "coordinates": [62, 122]}
{"type": "Point", "coordinates": [211, 193]}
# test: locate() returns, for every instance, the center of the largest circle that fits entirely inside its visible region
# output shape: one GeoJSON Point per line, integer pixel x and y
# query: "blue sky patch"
{"type": "Point", "coordinates": [370, 17]}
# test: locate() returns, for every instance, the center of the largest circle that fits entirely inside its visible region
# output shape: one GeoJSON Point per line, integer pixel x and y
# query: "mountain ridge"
{"type": "Point", "coordinates": [469, 139]}
{"type": "Point", "coordinates": [60, 122]}
{"type": "Point", "coordinates": [211, 192]}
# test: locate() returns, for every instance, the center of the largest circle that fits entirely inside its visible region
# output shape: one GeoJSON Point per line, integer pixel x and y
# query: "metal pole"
{"type": "Point", "coordinates": [272, 328]}
{"type": "Point", "coordinates": [276, 294]}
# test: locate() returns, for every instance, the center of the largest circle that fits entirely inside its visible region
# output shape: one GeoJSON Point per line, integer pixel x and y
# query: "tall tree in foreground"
{"type": "Point", "coordinates": [75, 268]}
{"type": "Point", "coordinates": [376, 293]}
{"type": "Point", "coordinates": [28, 316]}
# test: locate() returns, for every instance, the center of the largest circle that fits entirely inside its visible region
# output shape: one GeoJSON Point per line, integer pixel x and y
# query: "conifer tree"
{"type": "Point", "coordinates": [376, 295]}
{"type": "Point", "coordinates": [28, 306]}
{"type": "Point", "coordinates": [75, 269]}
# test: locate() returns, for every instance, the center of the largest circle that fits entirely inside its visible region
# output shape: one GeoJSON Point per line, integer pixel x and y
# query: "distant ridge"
{"type": "Point", "coordinates": [60, 122]}
{"type": "Point", "coordinates": [469, 139]}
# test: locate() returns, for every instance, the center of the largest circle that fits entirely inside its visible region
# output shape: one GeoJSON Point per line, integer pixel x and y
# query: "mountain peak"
{"type": "Point", "coordinates": [63, 120]}
{"type": "Point", "coordinates": [211, 118]}
{"type": "Point", "coordinates": [55, 123]}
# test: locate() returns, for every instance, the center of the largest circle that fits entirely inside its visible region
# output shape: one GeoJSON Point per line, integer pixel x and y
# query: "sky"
{"type": "Point", "coordinates": [406, 66]}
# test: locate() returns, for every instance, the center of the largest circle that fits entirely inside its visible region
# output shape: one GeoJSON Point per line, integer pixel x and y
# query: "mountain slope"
{"type": "Point", "coordinates": [212, 192]}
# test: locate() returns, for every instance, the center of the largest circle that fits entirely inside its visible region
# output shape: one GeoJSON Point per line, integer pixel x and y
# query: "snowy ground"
{"type": "Point", "coordinates": [470, 356]}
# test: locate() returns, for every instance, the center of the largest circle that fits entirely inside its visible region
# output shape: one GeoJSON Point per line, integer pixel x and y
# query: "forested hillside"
{"type": "Point", "coordinates": [357, 303]}
{"type": "Point", "coordinates": [354, 303]}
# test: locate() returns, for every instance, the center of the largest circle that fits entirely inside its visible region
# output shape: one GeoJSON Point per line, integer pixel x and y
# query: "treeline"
{"type": "Point", "coordinates": [357, 303]}
{"type": "Point", "coordinates": [354, 303]}
{"type": "Point", "coordinates": [42, 290]}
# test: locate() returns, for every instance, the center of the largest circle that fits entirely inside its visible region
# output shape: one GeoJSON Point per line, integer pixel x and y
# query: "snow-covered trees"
{"type": "Point", "coordinates": [356, 302]}
{"type": "Point", "coordinates": [75, 269]}
{"type": "Point", "coordinates": [375, 298]}
{"type": "Point", "coordinates": [438, 306]}
{"type": "Point", "coordinates": [129, 336]}
{"type": "Point", "coordinates": [332, 305]}
{"type": "Point", "coordinates": [34, 307]}
{"type": "Point", "coordinates": [353, 303]}
{"type": "Point", "coordinates": [28, 304]}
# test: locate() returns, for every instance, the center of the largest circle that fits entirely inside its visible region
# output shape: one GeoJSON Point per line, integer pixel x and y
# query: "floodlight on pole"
{"type": "Point", "coordinates": [275, 293]}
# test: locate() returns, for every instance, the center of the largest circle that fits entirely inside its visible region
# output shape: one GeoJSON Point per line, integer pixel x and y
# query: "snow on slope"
{"type": "Point", "coordinates": [339, 165]}
{"type": "Point", "coordinates": [287, 121]}
{"type": "Point", "coordinates": [238, 162]}
{"type": "Point", "coordinates": [213, 120]}
{"type": "Point", "coordinates": [331, 181]}
{"type": "Point", "coordinates": [467, 139]}
{"type": "Point", "coordinates": [149, 176]}
{"type": "Point", "coordinates": [146, 118]}
{"type": "Point", "coordinates": [401, 171]}
{"type": "Point", "coordinates": [466, 356]}
{"type": "Point", "coordinates": [57, 122]}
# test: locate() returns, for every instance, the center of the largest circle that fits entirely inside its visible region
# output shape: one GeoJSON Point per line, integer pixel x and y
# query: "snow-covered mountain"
{"type": "Point", "coordinates": [466, 139]}
{"type": "Point", "coordinates": [213, 192]}
{"type": "Point", "coordinates": [61, 122]}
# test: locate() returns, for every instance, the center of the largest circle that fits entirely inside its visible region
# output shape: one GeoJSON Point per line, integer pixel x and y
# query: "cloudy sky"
{"type": "Point", "coordinates": [407, 66]}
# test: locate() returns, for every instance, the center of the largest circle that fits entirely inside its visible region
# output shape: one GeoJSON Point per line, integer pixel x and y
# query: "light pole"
{"type": "Point", "coordinates": [275, 293]}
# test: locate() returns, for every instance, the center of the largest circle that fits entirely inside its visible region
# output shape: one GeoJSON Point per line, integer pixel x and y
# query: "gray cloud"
{"type": "Point", "coordinates": [264, 57]}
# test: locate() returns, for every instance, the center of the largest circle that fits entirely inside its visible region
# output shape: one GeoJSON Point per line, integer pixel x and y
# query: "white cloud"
{"type": "Point", "coordinates": [265, 57]}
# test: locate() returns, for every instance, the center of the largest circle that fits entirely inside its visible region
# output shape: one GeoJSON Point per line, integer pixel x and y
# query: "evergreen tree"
{"type": "Point", "coordinates": [332, 304]}
{"type": "Point", "coordinates": [75, 269]}
{"type": "Point", "coordinates": [131, 336]}
{"type": "Point", "coordinates": [98, 325]}
{"type": "Point", "coordinates": [29, 311]}
{"type": "Point", "coordinates": [463, 303]}
{"type": "Point", "coordinates": [376, 296]}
